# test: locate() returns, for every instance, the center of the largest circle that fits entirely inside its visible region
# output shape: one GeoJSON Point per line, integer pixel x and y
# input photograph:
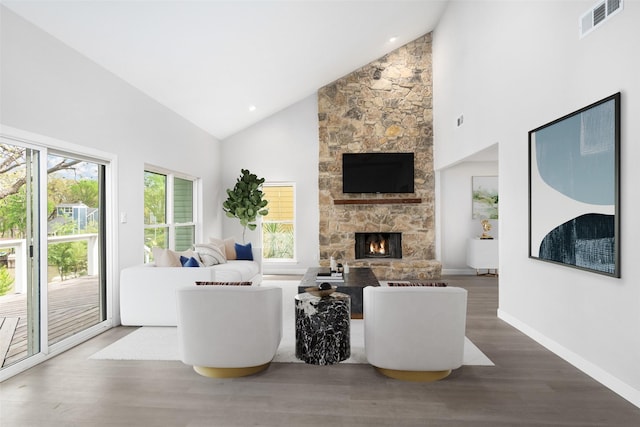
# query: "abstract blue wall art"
{"type": "Point", "coordinates": [574, 189]}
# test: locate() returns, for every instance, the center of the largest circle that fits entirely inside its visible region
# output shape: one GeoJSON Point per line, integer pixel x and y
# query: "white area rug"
{"type": "Point", "coordinates": [161, 343]}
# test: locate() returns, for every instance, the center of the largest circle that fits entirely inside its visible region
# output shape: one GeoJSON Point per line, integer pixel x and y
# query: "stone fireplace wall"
{"type": "Point", "coordinates": [385, 106]}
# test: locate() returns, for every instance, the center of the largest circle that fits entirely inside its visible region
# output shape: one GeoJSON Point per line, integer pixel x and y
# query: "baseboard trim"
{"type": "Point", "coordinates": [603, 377]}
{"type": "Point", "coordinates": [271, 270]}
{"type": "Point", "coordinates": [458, 272]}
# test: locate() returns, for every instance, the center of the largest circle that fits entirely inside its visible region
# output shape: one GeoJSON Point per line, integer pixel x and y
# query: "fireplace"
{"type": "Point", "coordinates": [378, 245]}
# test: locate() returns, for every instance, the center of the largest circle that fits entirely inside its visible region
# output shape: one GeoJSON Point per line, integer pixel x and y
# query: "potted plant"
{"type": "Point", "coordinates": [245, 201]}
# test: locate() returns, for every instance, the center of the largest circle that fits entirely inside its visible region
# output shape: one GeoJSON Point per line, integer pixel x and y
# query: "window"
{"type": "Point", "coordinates": [169, 206]}
{"type": "Point", "coordinates": [278, 227]}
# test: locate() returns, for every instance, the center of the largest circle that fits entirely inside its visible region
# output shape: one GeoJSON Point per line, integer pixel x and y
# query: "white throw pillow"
{"type": "Point", "coordinates": [165, 258]}
{"type": "Point", "coordinates": [229, 246]}
{"type": "Point", "coordinates": [220, 245]}
{"type": "Point", "coordinates": [210, 254]}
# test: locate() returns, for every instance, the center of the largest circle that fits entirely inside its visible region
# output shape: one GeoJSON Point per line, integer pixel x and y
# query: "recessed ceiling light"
{"type": "Point", "coordinates": [393, 39]}
{"type": "Point", "coordinates": [252, 108]}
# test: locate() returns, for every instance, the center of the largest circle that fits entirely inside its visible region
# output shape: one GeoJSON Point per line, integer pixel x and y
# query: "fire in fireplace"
{"type": "Point", "coordinates": [378, 245]}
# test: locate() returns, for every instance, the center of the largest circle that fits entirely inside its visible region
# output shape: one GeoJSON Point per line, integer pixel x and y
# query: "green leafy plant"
{"type": "Point", "coordinates": [277, 240]}
{"type": "Point", "coordinates": [6, 281]}
{"type": "Point", "coordinates": [246, 201]}
{"type": "Point", "coordinates": [68, 257]}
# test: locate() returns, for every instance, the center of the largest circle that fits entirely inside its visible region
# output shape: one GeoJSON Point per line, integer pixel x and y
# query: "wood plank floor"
{"type": "Point", "coordinates": [74, 305]}
{"type": "Point", "coordinates": [529, 386]}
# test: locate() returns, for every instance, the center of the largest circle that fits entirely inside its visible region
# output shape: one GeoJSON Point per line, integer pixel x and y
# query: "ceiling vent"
{"type": "Point", "coordinates": [598, 14]}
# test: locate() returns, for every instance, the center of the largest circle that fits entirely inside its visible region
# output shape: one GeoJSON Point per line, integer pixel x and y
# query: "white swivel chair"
{"type": "Point", "coordinates": [229, 331]}
{"type": "Point", "coordinates": [415, 333]}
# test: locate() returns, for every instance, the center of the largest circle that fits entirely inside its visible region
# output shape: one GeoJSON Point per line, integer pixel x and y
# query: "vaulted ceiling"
{"type": "Point", "coordinates": [225, 65]}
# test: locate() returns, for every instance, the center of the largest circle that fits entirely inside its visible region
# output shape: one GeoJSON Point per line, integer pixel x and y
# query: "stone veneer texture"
{"type": "Point", "coordinates": [385, 106]}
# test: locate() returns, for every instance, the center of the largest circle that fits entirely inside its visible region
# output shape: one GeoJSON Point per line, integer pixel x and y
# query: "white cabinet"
{"type": "Point", "coordinates": [482, 254]}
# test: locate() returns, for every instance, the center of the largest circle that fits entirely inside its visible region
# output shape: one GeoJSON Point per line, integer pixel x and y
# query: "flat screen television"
{"type": "Point", "coordinates": [377, 173]}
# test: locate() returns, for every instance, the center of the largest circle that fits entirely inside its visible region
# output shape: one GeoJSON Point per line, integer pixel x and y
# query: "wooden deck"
{"type": "Point", "coordinates": [74, 305]}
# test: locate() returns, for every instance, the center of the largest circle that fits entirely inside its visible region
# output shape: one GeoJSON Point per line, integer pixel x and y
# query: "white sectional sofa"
{"type": "Point", "coordinates": [148, 293]}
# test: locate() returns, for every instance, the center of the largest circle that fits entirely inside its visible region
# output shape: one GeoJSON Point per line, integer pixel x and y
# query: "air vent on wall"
{"type": "Point", "coordinates": [597, 15]}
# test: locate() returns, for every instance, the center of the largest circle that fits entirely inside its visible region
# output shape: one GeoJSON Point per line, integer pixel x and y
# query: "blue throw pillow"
{"type": "Point", "coordinates": [189, 262]}
{"type": "Point", "coordinates": [244, 252]}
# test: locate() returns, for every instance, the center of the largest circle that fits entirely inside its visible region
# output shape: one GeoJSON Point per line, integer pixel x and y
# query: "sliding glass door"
{"type": "Point", "coordinates": [20, 296]}
{"type": "Point", "coordinates": [52, 249]}
{"type": "Point", "coordinates": [75, 250]}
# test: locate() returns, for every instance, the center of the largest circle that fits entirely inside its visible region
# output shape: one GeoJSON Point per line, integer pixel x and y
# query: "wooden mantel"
{"type": "Point", "coordinates": [375, 201]}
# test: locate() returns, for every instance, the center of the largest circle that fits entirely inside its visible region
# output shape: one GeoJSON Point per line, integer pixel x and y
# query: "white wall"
{"type": "Point", "coordinates": [510, 67]}
{"type": "Point", "coordinates": [51, 90]}
{"type": "Point", "coordinates": [281, 148]}
{"type": "Point", "coordinates": [455, 224]}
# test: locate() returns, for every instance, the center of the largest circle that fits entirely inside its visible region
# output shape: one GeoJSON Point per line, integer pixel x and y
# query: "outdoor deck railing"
{"type": "Point", "coordinates": [21, 247]}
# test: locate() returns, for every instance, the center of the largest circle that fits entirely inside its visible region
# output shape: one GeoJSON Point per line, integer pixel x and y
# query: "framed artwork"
{"type": "Point", "coordinates": [574, 189]}
{"type": "Point", "coordinates": [484, 196]}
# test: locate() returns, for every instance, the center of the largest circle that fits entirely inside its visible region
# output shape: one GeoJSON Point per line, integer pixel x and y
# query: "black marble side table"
{"type": "Point", "coordinates": [323, 328]}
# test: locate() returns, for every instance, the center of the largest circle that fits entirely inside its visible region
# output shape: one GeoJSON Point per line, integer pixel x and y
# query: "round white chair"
{"type": "Point", "coordinates": [229, 331]}
{"type": "Point", "coordinates": [415, 333]}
